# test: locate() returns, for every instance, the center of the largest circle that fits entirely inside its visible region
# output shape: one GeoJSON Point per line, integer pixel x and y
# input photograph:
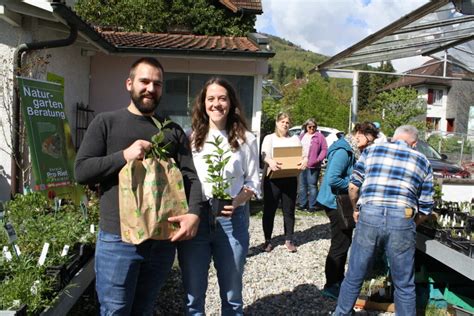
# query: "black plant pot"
{"type": "Point", "coordinates": [59, 275]}
{"type": "Point", "coordinates": [217, 205]}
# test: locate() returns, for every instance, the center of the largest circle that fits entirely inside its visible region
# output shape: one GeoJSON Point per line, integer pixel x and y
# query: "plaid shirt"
{"type": "Point", "coordinates": [393, 174]}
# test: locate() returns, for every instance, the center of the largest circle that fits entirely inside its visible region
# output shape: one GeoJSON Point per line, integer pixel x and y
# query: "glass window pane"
{"type": "Point", "coordinates": [174, 102]}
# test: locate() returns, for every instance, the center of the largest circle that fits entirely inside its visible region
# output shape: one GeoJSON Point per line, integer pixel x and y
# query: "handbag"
{"type": "Point", "coordinates": [344, 210]}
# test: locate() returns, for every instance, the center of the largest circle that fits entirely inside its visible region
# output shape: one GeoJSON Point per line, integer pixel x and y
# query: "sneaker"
{"type": "Point", "coordinates": [290, 246]}
{"type": "Point", "coordinates": [267, 247]}
{"type": "Point", "coordinates": [331, 291]}
{"type": "Point", "coordinates": [301, 208]}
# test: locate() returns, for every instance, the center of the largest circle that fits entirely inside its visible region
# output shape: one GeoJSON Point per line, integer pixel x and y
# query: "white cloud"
{"type": "Point", "coordinates": [330, 26]}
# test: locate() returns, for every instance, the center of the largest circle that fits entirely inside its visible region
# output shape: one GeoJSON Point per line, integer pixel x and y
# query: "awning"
{"type": "Point", "coordinates": [432, 28]}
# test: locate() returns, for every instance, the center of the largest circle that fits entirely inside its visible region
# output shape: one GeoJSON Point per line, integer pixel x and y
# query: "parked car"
{"type": "Point", "coordinates": [442, 168]}
{"type": "Point", "coordinates": [331, 134]}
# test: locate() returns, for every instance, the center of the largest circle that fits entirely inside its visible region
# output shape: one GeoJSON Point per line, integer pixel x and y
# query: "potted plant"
{"type": "Point", "coordinates": [216, 162]}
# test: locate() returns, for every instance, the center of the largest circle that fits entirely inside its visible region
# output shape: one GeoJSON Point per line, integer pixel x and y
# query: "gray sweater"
{"type": "Point", "coordinates": [100, 159]}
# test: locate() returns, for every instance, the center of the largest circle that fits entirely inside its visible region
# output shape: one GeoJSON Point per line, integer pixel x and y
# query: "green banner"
{"type": "Point", "coordinates": [49, 134]}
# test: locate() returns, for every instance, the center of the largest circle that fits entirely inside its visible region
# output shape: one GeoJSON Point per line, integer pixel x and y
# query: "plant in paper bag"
{"type": "Point", "coordinates": [157, 151]}
{"type": "Point", "coordinates": [151, 191]}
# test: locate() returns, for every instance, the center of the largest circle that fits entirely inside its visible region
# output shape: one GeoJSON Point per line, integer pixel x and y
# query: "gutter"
{"type": "Point", "coordinates": [190, 52]}
{"type": "Point", "coordinates": [17, 161]}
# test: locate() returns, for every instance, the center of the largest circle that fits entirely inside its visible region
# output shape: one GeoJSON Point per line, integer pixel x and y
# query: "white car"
{"type": "Point", "coordinates": [331, 134]}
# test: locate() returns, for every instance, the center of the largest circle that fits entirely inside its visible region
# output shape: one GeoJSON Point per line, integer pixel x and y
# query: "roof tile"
{"type": "Point", "coordinates": [180, 41]}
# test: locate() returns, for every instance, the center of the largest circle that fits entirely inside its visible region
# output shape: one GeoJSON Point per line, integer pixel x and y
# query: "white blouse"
{"type": "Point", "coordinates": [241, 170]}
{"type": "Point", "coordinates": [271, 141]}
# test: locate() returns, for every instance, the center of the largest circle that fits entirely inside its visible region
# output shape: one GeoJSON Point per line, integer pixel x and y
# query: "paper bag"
{"type": "Point", "coordinates": [150, 191]}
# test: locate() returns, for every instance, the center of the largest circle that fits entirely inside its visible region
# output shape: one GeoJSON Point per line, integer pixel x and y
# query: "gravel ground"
{"type": "Point", "coordinates": [275, 283]}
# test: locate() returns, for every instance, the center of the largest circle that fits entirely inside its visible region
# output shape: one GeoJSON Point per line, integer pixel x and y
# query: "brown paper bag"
{"type": "Point", "coordinates": [150, 191]}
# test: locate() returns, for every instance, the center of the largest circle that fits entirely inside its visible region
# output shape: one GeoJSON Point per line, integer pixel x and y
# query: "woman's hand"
{"type": "Point", "coordinates": [303, 164]}
{"type": "Point", "coordinates": [228, 210]}
{"type": "Point", "coordinates": [274, 165]}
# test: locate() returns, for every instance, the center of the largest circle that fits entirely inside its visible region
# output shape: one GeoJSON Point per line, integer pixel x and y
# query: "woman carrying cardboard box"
{"type": "Point", "coordinates": [276, 188]}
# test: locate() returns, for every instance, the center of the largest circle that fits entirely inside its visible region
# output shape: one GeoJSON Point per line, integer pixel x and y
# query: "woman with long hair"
{"type": "Point", "coordinates": [283, 189]}
{"type": "Point", "coordinates": [217, 113]}
{"type": "Point", "coordinates": [342, 155]}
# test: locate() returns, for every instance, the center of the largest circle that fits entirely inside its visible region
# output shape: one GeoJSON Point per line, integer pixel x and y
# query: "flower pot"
{"type": "Point", "coordinates": [217, 205]}
{"type": "Point", "coordinates": [21, 311]}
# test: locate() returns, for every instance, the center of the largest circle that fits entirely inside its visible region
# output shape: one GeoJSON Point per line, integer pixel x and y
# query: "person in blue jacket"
{"type": "Point", "coordinates": [342, 155]}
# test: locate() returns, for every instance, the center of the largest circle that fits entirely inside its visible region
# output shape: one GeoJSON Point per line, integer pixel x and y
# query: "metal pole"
{"type": "Point", "coordinates": [445, 62]}
{"type": "Point", "coordinates": [462, 149]}
{"type": "Point", "coordinates": [355, 97]}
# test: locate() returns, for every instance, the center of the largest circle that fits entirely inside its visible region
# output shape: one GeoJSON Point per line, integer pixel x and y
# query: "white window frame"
{"type": "Point", "coordinates": [438, 96]}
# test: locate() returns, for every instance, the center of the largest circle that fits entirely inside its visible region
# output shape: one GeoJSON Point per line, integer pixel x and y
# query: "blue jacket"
{"type": "Point", "coordinates": [341, 160]}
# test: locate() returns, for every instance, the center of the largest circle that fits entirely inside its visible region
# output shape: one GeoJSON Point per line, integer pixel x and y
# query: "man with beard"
{"type": "Point", "coordinates": [129, 277]}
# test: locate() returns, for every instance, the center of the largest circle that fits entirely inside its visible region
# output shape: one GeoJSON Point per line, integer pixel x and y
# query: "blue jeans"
{"type": "Point", "coordinates": [227, 244]}
{"type": "Point", "coordinates": [308, 187]}
{"type": "Point", "coordinates": [388, 227]}
{"type": "Point", "coordinates": [129, 277]}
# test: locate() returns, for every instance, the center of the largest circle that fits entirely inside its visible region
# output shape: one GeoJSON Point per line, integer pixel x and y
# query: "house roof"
{"type": "Point", "coordinates": [254, 45]}
{"type": "Point", "coordinates": [432, 67]}
{"type": "Point", "coordinates": [180, 42]}
{"type": "Point", "coordinates": [252, 6]}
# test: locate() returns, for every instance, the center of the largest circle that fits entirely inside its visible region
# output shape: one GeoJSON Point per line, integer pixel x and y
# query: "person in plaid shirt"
{"type": "Point", "coordinates": [390, 183]}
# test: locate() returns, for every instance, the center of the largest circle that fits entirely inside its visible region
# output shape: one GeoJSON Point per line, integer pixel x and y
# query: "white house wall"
{"type": "Point", "coordinates": [10, 37]}
{"type": "Point", "coordinates": [66, 62]}
{"type": "Point", "coordinates": [108, 75]}
{"type": "Point", "coordinates": [436, 110]}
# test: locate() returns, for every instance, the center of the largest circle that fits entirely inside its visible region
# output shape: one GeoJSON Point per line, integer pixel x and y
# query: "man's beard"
{"type": "Point", "coordinates": [141, 106]}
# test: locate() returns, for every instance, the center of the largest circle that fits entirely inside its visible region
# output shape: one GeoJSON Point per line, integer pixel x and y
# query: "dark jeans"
{"type": "Point", "coordinates": [283, 189]}
{"type": "Point", "coordinates": [337, 255]}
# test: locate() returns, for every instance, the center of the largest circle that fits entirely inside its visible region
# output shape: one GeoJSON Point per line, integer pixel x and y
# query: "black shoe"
{"type": "Point", "coordinates": [301, 208]}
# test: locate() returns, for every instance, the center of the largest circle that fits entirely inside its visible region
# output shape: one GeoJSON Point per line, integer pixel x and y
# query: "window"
{"type": "Point", "coordinates": [450, 126]}
{"type": "Point", "coordinates": [433, 123]}
{"type": "Point", "coordinates": [180, 90]}
{"type": "Point", "coordinates": [438, 96]}
{"type": "Point", "coordinates": [435, 96]}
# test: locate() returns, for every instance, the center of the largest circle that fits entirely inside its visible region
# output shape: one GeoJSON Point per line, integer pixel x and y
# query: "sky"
{"type": "Point", "coordinates": [330, 26]}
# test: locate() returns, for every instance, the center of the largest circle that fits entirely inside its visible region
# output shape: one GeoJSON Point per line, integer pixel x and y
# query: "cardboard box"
{"type": "Point", "coordinates": [289, 157]}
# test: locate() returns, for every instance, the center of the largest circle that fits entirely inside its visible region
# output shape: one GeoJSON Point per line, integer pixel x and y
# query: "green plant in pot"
{"type": "Point", "coordinates": [216, 162]}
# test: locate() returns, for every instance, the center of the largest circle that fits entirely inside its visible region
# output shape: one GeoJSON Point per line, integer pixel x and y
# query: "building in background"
{"type": "Point", "coordinates": [449, 102]}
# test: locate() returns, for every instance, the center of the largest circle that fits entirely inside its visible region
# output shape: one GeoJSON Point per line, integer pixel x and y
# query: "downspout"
{"type": "Point", "coordinates": [16, 179]}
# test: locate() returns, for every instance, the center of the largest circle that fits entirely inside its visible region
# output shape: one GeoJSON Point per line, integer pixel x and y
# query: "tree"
{"type": "Point", "coordinates": [371, 84]}
{"type": "Point", "coordinates": [198, 16]}
{"type": "Point", "coordinates": [322, 100]}
{"type": "Point", "coordinates": [270, 110]}
{"type": "Point", "coordinates": [400, 106]}
{"type": "Point", "coordinates": [281, 73]}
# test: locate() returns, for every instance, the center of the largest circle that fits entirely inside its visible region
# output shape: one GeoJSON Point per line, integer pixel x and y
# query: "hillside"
{"type": "Point", "coordinates": [290, 60]}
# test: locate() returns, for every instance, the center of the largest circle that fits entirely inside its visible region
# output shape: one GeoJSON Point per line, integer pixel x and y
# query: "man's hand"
{"type": "Point", "coordinates": [188, 224]}
{"type": "Point", "coordinates": [355, 215]}
{"type": "Point", "coordinates": [136, 150]}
